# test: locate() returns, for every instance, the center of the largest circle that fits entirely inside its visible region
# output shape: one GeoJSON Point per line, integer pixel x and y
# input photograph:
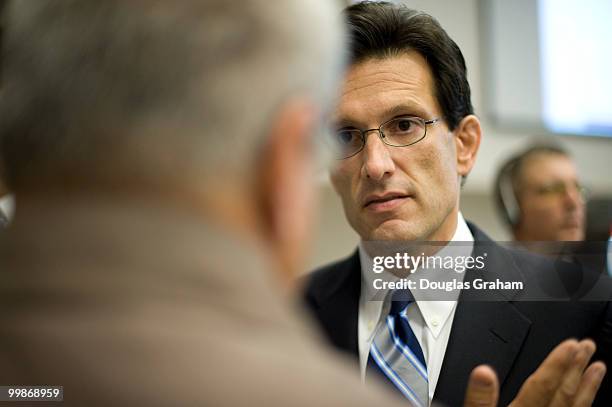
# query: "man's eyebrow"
{"type": "Point", "coordinates": [344, 122]}
{"type": "Point", "coordinates": [404, 110]}
{"type": "Point", "coordinates": [397, 110]}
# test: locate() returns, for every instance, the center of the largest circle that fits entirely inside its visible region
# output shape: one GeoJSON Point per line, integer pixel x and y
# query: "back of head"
{"type": "Point", "coordinates": [381, 29]}
{"type": "Point", "coordinates": [137, 93]}
{"type": "Point", "coordinates": [149, 90]}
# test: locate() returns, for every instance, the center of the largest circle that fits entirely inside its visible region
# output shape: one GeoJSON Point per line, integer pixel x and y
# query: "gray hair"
{"type": "Point", "coordinates": [140, 86]}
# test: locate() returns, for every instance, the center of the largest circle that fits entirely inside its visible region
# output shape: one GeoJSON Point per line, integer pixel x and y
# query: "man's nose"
{"type": "Point", "coordinates": [377, 161]}
{"type": "Point", "coordinates": [573, 198]}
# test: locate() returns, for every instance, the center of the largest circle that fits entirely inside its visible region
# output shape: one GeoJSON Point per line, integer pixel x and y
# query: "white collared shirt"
{"type": "Point", "coordinates": [431, 321]}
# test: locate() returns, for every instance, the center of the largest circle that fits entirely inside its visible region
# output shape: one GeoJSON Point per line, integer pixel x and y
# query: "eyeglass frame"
{"type": "Point", "coordinates": [381, 134]}
{"type": "Point", "coordinates": [557, 189]}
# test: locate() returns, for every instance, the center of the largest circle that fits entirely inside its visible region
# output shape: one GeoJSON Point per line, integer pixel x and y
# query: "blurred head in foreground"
{"type": "Point", "coordinates": [539, 195]}
{"type": "Point", "coordinates": [162, 153]}
{"type": "Point", "coordinates": [208, 106]}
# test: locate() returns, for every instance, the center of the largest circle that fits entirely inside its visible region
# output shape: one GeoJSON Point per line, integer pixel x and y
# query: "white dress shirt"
{"type": "Point", "coordinates": [431, 321]}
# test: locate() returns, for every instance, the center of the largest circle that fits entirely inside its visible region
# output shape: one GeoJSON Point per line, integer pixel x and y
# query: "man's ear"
{"type": "Point", "coordinates": [285, 193]}
{"type": "Point", "coordinates": [467, 138]}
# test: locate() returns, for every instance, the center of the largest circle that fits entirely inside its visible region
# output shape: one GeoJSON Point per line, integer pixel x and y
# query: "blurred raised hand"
{"type": "Point", "coordinates": [564, 379]}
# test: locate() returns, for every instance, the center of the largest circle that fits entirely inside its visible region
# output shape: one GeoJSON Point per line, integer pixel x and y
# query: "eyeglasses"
{"type": "Point", "coordinates": [398, 132]}
{"type": "Point", "coordinates": [560, 188]}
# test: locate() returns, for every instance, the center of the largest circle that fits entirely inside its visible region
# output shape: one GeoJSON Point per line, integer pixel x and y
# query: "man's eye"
{"type": "Point", "coordinates": [552, 189]}
{"type": "Point", "coordinates": [345, 137]}
{"type": "Point", "coordinates": [404, 125]}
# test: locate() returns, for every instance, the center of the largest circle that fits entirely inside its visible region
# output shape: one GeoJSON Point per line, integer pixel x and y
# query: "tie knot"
{"type": "Point", "coordinates": [400, 299]}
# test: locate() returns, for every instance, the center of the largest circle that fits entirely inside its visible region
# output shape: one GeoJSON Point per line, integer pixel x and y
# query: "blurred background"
{"type": "Point", "coordinates": [537, 69]}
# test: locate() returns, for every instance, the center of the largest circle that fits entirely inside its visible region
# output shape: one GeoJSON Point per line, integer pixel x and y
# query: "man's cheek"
{"type": "Point", "coordinates": [334, 177]}
{"type": "Point", "coordinates": [341, 184]}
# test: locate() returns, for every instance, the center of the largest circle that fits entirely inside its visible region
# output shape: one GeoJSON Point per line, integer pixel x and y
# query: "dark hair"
{"type": "Point", "coordinates": [508, 180]}
{"type": "Point", "coordinates": [380, 29]}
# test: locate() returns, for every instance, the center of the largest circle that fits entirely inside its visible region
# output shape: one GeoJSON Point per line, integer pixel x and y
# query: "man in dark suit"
{"type": "Point", "coordinates": [406, 140]}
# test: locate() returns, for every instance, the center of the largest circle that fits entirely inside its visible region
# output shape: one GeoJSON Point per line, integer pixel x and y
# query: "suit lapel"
{"type": "Point", "coordinates": [483, 332]}
{"type": "Point", "coordinates": [490, 332]}
{"type": "Point", "coordinates": [337, 304]}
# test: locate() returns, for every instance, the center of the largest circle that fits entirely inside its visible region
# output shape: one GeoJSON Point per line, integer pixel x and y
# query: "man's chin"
{"type": "Point", "coordinates": [392, 230]}
{"type": "Point", "coordinates": [571, 235]}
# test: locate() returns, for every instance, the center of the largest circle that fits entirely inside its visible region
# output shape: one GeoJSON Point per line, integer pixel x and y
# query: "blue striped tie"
{"type": "Point", "coordinates": [396, 354]}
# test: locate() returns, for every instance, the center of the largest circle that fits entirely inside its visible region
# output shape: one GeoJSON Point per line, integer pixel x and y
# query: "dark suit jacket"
{"type": "Point", "coordinates": [512, 336]}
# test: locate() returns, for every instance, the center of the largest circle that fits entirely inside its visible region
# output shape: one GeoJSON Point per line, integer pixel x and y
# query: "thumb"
{"type": "Point", "coordinates": [483, 388]}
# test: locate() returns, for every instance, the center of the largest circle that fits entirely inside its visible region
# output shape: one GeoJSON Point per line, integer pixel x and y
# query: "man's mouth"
{"type": "Point", "coordinates": [572, 223]}
{"type": "Point", "coordinates": [385, 202]}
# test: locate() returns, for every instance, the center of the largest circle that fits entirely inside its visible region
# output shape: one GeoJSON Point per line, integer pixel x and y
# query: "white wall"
{"type": "Point", "coordinates": [461, 20]}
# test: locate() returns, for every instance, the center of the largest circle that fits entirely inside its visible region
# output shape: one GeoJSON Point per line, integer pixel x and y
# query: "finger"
{"type": "Point", "coordinates": [564, 396]}
{"type": "Point", "coordinates": [540, 388]}
{"type": "Point", "coordinates": [483, 388]}
{"type": "Point", "coordinates": [591, 380]}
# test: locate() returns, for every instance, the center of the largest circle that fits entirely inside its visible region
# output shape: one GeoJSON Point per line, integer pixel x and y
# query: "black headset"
{"type": "Point", "coordinates": [505, 193]}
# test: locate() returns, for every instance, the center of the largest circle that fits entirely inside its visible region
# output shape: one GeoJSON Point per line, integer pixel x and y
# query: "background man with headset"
{"type": "Point", "coordinates": [539, 195]}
